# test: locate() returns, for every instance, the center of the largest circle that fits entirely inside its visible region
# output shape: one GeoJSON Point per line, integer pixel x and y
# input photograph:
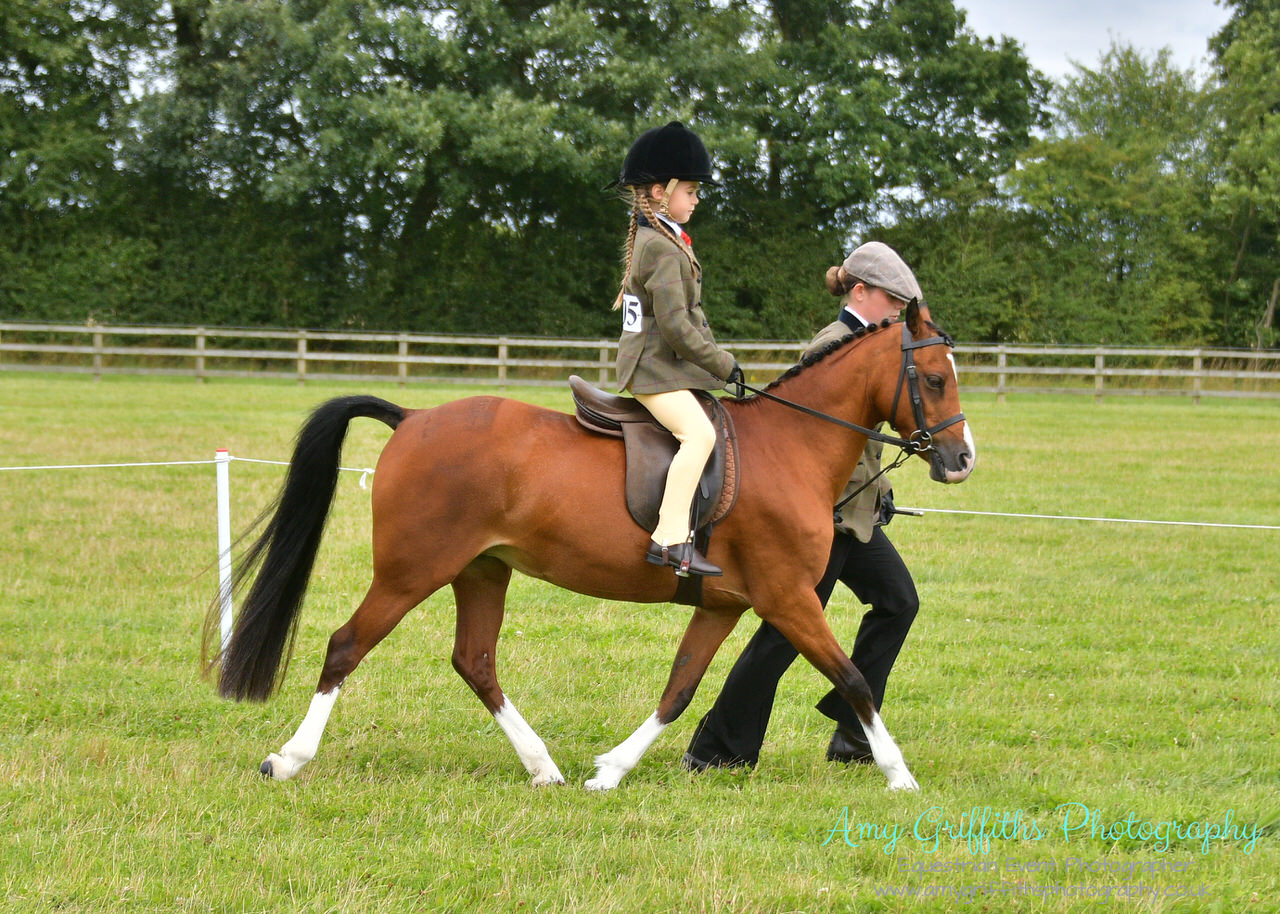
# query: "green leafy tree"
{"type": "Point", "coordinates": [452, 155]}
{"type": "Point", "coordinates": [1121, 187]}
{"type": "Point", "coordinates": [64, 75]}
{"type": "Point", "coordinates": [440, 165]}
{"type": "Point", "coordinates": [1247, 194]}
{"type": "Point", "coordinates": [850, 115]}
{"type": "Point", "coordinates": [981, 262]}
{"type": "Point", "coordinates": [65, 70]}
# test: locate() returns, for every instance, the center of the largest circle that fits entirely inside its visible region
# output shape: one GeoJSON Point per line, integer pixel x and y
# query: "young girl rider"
{"type": "Point", "coordinates": [667, 350]}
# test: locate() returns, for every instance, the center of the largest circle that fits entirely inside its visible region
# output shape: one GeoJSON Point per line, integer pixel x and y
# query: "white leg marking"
{"type": "Point", "coordinates": [302, 748]}
{"type": "Point", "coordinates": [615, 763]}
{"type": "Point", "coordinates": [889, 757]}
{"type": "Point", "coordinates": [528, 745]}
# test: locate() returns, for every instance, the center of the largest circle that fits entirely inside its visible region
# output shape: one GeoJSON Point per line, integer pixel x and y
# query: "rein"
{"type": "Point", "coordinates": [875, 435]}
{"type": "Point", "coordinates": [921, 440]}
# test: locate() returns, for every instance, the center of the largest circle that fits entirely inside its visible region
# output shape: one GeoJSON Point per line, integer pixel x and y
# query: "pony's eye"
{"type": "Point", "coordinates": [934, 382]}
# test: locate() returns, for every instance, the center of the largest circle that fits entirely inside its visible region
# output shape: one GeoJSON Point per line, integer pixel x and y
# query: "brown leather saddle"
{"type": "Point", "coordinates": [650, 447]}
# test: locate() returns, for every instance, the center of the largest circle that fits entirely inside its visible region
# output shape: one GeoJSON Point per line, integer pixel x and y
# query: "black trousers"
{"type": "Point", "coordinates": [732, 732]}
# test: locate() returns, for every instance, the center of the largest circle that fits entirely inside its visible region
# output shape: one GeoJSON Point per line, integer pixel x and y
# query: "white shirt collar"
{"type": "Point", "coordinates": [853, 311]}
{"type": "Point", "coordinates": [671, 224]}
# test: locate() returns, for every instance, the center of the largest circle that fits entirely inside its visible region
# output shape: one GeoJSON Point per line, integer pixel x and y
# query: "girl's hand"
{"type": "Point", "coordinates": [736, 381]}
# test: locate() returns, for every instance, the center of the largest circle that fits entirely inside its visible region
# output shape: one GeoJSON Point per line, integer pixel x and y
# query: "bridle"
{"type": "Point", "coordinates": [920, 441]}
{"type": "Point", "coordinates": [922, 438]}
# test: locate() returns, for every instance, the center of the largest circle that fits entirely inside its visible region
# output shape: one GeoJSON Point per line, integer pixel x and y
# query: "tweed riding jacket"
{"type": "Point", "coordinates": [666, 342]}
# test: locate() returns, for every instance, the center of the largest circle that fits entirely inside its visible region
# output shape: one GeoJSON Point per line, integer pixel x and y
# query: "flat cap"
{"type": "Point", "coordinates": [877, 264]}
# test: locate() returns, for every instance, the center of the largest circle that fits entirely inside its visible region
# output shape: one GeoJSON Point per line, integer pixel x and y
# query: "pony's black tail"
{"type": "Point", "coordinates": [261, 643]}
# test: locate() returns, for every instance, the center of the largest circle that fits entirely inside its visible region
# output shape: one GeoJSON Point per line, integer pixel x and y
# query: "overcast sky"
{"type": "Point", "coordinates": [1053, 34]}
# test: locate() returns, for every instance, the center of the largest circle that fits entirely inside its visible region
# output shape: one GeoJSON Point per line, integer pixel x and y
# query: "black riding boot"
{"type": "Point", "coordinates": [683, 558]}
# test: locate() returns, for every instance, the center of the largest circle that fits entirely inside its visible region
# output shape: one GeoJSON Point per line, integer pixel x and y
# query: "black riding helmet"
{"type": "Point", "coordinates": [664, 153]}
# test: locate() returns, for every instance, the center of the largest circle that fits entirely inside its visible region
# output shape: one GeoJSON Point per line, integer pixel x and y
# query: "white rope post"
{"type": "Point", "coordinates": [223, 461]}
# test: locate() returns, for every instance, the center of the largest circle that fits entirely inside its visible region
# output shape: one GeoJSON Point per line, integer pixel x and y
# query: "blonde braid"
{"type": "Point", "coordinates": [630, 249]}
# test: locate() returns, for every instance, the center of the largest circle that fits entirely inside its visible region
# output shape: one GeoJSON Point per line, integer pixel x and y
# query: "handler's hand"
{"type": "Point", "coordinates": [886, 509]}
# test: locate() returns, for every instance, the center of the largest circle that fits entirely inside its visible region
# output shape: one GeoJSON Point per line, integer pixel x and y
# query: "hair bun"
{"type": "Point", "coordinates": [836, 279]}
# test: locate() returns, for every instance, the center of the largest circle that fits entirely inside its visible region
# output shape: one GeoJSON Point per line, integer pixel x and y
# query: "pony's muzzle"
{"type": "Point", "coordinates": [952, 461]}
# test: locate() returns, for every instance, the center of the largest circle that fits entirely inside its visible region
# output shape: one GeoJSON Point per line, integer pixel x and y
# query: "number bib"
{"type": "Point", "coordinates": [630, 314]}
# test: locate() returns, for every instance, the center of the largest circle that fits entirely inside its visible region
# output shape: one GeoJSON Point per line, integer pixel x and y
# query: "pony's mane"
{"type": "Point", "coordinates": [831, 348]}
{"type": "Point", "coordinates": [814, 358]}
{"type": "Point", "coordinates": [835, 346]}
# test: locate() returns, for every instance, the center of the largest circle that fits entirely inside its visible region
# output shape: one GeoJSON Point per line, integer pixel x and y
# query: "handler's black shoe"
{"type": "Point", "coordinates": [683, 558]}
{"type": "Point", "coordinates": [847, 746]}
{"type": "Point", "coordinates": [690, 762]}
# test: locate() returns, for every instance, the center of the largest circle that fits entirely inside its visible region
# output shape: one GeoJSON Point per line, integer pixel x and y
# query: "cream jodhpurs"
{"type": "Point", "coordinates": [682, 415]}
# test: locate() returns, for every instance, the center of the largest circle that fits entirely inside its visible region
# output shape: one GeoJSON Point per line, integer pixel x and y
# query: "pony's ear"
{"type": "Point", "coordinates": [916, 315]}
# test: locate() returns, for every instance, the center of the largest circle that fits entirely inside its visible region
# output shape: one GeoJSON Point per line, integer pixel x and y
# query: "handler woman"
{"type": "Point", "coordinates": [875, 284]}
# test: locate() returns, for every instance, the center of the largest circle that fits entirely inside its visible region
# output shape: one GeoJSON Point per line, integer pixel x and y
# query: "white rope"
{"type": "Point", "coordinates": [1106, 520]}
{"type": "Point", "coordinates": [106, 466]}
{"type": "Point", "coordinates": [365, 472]}
{"type": "Point", "coordinates": [276, 463]}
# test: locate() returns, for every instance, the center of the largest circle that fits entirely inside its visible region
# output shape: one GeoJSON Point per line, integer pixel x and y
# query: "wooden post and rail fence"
{"type": "Point", "coordinates": [204, 353]}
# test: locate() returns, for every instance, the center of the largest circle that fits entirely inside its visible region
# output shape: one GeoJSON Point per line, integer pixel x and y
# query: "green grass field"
{"type": "Point", "coordinates": [1056, 668]}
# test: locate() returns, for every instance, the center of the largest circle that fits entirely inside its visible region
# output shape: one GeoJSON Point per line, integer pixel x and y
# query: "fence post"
{"type": "Point", "coordinates": [1002, 361]}
{"type": "Point", "coordinates": [604, 365]}
{"type": "Point", "coordinates": [1197, 365]}
{"type": "Point", "coordinates": [97, 355]}
{"type": "Point", "coordinates": [222, 458]}
{"type": "Point", "coordinates": [402, 367]}
{"type": "Point", "coordinates": [1099, 361]}
{"type": "Point", "coordinates": [503, 352]}
{"type": "Point", "coordinates": [200, 354]}
{"type": "Point", "coordinates": [302, 356]}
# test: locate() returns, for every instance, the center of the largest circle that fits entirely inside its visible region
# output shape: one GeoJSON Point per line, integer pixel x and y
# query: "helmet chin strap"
{"type": "Point", "coordinates": [664, 206]}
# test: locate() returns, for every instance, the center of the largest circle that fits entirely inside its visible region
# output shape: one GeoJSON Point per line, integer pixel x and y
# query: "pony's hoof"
{"type": "Point", "coordinates": [607, 777]}
{"type": "Point", "coordinates": [277, 768]}
{"type": "Point", "coordinates": [906, 782]}
{"type": "Point", "coordinates": [548, 778]}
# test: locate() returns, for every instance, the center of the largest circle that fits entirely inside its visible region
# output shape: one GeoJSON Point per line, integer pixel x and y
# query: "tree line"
{"type": "Point", "coordinates": [440, 166]}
